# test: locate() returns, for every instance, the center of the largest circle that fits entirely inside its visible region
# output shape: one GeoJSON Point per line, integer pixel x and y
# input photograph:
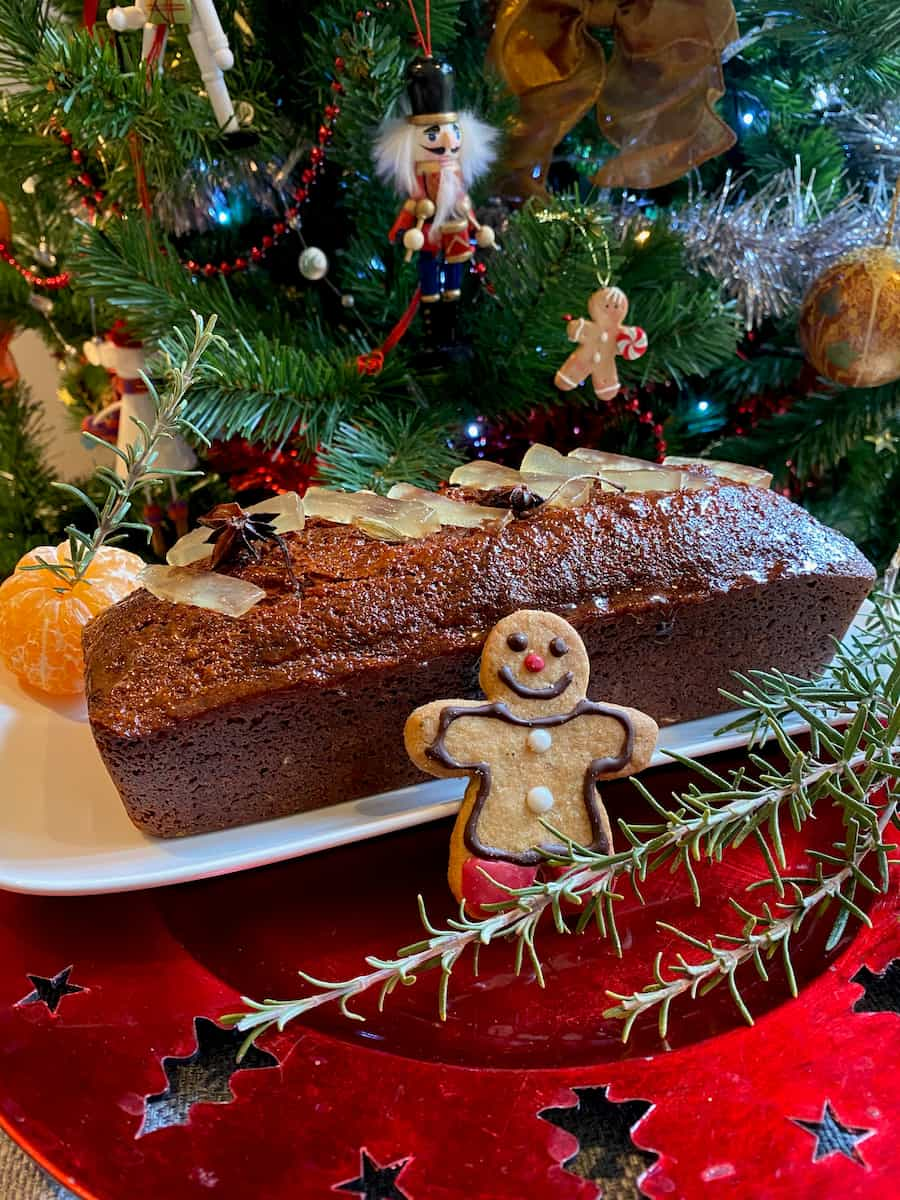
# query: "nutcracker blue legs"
{"type": "Point", "coordinates": [437, 277]}
{"type": "Point", "coordinates": [429, 276]}
{"type": "Point", "coordinates": [439, 280]}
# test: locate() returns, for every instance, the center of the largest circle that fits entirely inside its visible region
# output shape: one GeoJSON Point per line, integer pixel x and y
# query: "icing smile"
{"type": "Point", "coordinates": [527, 693]}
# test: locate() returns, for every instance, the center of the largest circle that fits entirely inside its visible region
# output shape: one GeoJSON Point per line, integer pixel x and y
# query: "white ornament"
{"type": "Point", "coordinates": [539, 799]}
{"type": "Point", "coordinates": [208, 42]}
{"type": "Point", "coordinates": [91, 350]}
{"type": "Point", "coordinates": [313, 263]}
{"type": "Point", "coordinates": [539, 740]}
{"type": "Point", "coordinates": [127, 363]}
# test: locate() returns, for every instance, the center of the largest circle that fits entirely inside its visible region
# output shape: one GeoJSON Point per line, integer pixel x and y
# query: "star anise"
{"type": "Point", "coordinates": [234, 529]}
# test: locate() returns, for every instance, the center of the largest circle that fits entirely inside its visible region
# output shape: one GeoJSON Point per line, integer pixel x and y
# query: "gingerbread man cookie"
{"type": "Point", "coordinates": [534, 750]}
{"type": "Point", "coordinates": [599, 341]}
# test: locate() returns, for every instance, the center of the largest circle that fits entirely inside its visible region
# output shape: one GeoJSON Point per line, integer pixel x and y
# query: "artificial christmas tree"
{"type": "Point", "coordinates": [132, 201]}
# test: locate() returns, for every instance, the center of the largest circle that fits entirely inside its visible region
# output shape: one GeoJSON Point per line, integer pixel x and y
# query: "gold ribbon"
{"type": "Point", "coordinates": [654, 97]}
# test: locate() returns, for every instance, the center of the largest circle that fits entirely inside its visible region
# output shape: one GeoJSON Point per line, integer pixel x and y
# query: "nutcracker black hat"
{"type": "Point", "coordinates": [429, 85]}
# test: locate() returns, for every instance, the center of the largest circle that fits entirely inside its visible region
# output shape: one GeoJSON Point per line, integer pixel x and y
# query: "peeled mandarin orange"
{"type": "Point", "coordinates": [41, 618]}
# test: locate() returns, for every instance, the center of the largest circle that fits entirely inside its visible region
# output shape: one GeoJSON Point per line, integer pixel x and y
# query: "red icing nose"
{"type": "Point", "coordinates": [534, 662]}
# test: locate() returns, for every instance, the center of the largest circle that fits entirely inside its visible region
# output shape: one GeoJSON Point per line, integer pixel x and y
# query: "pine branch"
{"type": "Point", "coordinates": [547, 268]}
{"type": "Point", "coordinates": [102, 90]}
{"type": "Point", "coordinates": [850, 768]}
{"type": "Point", "coordinates": [131, 266]}
{"type": "Point", "coordinates": [818, 432]}
{"type": "Point", "coordinates": [389, 446]}
{"type": "Point", "coordinates": [23, 27]}
{"type": "Point", "coordinates": [268, 391]}
{"type": "Point", "coordinates": [855, 43]}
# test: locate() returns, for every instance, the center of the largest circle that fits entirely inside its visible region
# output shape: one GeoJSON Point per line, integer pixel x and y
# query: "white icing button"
{"type": "Point", "coordinates": [539, 799]}
{"type": "Point", "coordinates": [604, 336]}
{"type": "Point", "coordinates": [597, 356]}
{"type": "Point", "coordinates": [539, 740]}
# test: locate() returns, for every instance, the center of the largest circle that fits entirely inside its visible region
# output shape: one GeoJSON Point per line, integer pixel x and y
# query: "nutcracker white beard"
{"type": "Point", "coordinates": [395, 155]}
{"type": "Point", "coordinates": [449, 204]}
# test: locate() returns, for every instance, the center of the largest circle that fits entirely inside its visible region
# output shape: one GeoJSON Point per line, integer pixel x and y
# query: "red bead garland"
{"type": "Point", "coordinates": [93, 195]}
{"type": "Point", "coordinates": [84, 181]}
{"type": "Point", "coordinates": [51, 282]}
{"type": "Point", "coordinates": [300, 195]}
{"type": "Point", "coordinates": [630, 402]}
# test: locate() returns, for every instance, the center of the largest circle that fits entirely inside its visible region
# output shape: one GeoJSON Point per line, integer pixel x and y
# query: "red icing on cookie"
{"type": "Point", "coordinates": [478, 887]}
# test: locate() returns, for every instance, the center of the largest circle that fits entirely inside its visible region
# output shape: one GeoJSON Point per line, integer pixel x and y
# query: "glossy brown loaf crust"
{"type": "Point", "coordinates": [206, 721]}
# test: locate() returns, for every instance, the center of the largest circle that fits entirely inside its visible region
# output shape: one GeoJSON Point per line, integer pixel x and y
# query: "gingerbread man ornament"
{"type": "Point", "coordinates": [599, 340]}
{"type": "Point", "coordinates": [534, 750]}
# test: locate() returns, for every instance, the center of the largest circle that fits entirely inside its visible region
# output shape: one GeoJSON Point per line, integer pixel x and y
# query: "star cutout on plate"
{"type": "Point", "coordinates": [881, 992]}
{"type": "Point", "coordinates": [606, 1153]}
{"type": "Point", "coordinates": [833, 1137]}
{"type": "Point", "coordinates": [203, 1077]}
{"type": "Point", "coordinates": [50, 991]}
{"type": "Point", "coordinates": [374, 1181]}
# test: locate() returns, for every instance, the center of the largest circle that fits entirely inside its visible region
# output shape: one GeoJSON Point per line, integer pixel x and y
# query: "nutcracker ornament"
{"type": "Point", "coordinates": [432, 154]}
{"type": "Point", "coordinates": [205, 34]}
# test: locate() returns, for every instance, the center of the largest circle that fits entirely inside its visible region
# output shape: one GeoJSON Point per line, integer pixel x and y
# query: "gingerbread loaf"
{"type": "Point", "coordinates": [207, 721]}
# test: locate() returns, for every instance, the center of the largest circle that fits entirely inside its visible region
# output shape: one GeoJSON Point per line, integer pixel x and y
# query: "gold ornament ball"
{"type": "Point", "coordinates": [850, 319]}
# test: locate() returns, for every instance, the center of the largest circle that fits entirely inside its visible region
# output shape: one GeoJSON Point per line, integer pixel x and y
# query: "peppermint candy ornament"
{"type": "Point", "coordinates": [631, 342]}
{"type": "Point", "coordinates": [600, 337]}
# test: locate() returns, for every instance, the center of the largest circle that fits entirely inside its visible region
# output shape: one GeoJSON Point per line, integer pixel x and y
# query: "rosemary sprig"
{"type": "Point", "coordinates": [852, 767]}
{"type": "Point", "coordinates": [764, 934]}
{"type": "Point", "coordinates": [140, 459]}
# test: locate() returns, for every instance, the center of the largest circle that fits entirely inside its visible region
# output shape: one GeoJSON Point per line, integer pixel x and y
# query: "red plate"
{"type": "Point", "coordinates": [521, 1093]}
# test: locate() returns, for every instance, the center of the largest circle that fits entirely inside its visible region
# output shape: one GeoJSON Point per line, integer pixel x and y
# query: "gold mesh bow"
{"type": "Point", "coordinates": [654, 97]}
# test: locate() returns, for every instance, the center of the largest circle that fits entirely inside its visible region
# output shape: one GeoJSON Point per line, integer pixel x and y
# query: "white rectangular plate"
{"type": "Point", "coordinates": [63, 830]}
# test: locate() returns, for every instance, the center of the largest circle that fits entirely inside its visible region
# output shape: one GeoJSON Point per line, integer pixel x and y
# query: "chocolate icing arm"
{"type": "Point", "coordinates": [426, 730]}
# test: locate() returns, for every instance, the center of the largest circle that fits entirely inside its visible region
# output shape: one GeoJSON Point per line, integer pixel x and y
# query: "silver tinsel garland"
{"type": "Point", "coordinates": [872, 140]}
{"type": "Point", "coordinates": [767, 248]}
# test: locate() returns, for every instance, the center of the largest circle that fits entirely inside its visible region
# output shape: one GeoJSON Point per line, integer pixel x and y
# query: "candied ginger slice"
{"type": "Point", "coordinates": [453, 512]}
{"type": "Point", "coordinates": [286, 512]}
{"type": "Point", "coordinates": [627, 474]}
{"type": "Point", "coordinates": [570, 493]}
{"type": "Point", "coordinates": [203, 589]}
{"type": "Point", "coordinates": [190, 548]}
{"type": "Point", "coordinates": [660, 480]}
{"type": "Point", "coordinates": [485, 475]}
{"type": "Point", "coordinates": [544, 460]}
{"type": "Point", "coordinates": [739, 472]}
{"type": "Point", "coordinates": [610, 461]}
{"type": "Point", "coordinates": [378, 516]}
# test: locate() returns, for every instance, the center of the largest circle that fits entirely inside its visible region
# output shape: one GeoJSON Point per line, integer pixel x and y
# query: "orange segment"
{"type": "Point", "coordinates": [41, 619]}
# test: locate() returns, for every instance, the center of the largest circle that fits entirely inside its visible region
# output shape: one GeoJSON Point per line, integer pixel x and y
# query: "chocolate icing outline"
{"type": "Point", "coordinates": [550, 692]}
{"type": "Point", "coordinates": [497, 710]}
